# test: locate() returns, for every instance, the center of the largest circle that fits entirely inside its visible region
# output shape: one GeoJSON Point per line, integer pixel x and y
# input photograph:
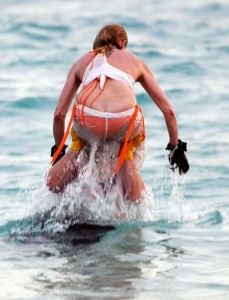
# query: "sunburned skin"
{"type": "Point", "coordinates": [115, 97]}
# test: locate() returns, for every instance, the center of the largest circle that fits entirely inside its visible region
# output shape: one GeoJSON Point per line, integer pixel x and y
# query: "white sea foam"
{"type": "Point", "coordinates": [93, 197]}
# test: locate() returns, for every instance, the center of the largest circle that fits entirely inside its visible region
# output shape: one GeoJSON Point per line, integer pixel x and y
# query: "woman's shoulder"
{"type": "Point", "coordinates": [128, 53]}
{"type": "Point", "coordinates": [136, 62]}
{"type": "Point", "coordinates": [80, 63]}
{"type": "Point", "coordinates": [133, 58]}
{"type": "Point", "coordinates": [85, 57]}
{"type": "Point", "coordinates": [126, 57]}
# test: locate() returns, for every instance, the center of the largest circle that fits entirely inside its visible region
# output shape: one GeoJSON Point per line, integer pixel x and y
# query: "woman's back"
{"type": "Point", "coordinates": [117, 95]}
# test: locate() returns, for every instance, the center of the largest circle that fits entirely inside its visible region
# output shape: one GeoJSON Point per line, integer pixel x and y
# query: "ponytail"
{"type": "Point", "coordinates": [108, 38]}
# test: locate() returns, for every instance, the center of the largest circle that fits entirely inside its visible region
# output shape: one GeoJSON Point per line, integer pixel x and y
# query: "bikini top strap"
{"type": "Point", "coordinates": [90, 60]}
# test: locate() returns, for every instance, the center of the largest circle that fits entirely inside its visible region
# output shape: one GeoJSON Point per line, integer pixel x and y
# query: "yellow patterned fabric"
{"type": "Point", "coordinates": [77, 143]}
{"type": "Point", "coordinates": [132, 145]}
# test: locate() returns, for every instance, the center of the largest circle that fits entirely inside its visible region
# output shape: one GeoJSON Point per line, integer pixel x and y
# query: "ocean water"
{"type": "Point", "coordinates": [174, 245]}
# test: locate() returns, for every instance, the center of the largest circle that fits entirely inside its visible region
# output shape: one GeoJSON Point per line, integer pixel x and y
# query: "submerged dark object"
{"type": "Point", "coordinates": [82, 234]}
{"type": "Point", "coordinates": [37, 227]}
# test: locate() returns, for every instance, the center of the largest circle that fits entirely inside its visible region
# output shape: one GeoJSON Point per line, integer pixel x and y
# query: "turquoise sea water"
{"type": "Point", "coordinates": [175, 244]}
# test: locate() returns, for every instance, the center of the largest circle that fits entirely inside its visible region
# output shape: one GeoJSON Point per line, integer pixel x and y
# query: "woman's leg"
{"type": "Point", "coordinates": [66, 169]}
{"type": "Point", "coordinates": [63, 172]}
{"type": "Point", "coordinates": [132, 182]}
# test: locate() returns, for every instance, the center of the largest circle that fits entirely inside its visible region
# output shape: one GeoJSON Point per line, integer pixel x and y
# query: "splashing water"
{"type": "Point", "coordinates": [94, 199]}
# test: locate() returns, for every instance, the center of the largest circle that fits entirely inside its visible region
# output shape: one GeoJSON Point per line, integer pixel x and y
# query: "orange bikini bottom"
{"type": "Point", "coordinates": [90, 124]}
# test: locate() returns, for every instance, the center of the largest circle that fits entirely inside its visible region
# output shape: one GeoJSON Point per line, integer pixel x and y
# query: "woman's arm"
{"type": "Point", "coordinates": [149, 83]}
{"type": "Point", "coordinates": [71, 86]}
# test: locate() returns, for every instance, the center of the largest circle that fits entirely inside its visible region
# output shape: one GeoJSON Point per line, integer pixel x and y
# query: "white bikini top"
{"type": "Point", "coordinates": [99, 68]}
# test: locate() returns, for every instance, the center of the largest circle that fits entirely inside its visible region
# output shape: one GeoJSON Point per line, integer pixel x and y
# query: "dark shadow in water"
{"type": "Point", "coordinates": [81, 234]}
{"type": "Point", "coordinates": [40, 229]}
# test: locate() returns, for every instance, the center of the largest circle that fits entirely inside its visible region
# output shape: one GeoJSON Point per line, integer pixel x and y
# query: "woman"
{"type": "Point", "coordinates": [106, 108]}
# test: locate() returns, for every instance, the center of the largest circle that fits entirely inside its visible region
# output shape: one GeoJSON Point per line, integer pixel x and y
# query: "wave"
{"type": "Point", "coordinates": [40, 227]}
{"type": "Point", "coordinates": [186, 67]}
{"type": "Point", "coordinates": [40, 103]}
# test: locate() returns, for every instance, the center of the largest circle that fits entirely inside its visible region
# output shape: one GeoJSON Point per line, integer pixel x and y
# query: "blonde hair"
{"type": "Point", "coordinates": [108, 38]}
